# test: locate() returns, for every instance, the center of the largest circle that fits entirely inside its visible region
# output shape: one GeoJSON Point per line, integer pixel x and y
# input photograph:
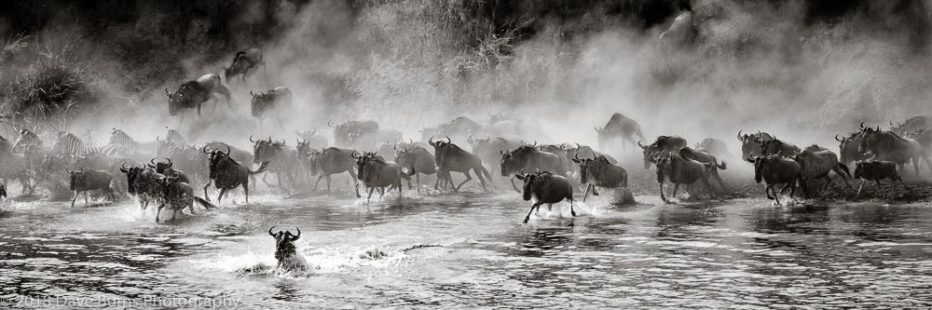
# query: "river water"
{"type": "Point", "coordinates": [470, 250]}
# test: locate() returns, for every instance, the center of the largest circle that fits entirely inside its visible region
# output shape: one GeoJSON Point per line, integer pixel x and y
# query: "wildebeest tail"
{"type": "Point", "coordinates": [844, 168]}
{"type": "Point", "coordinates": [204, 203]}
{"type": "Point", "coordinates": [261, 169]}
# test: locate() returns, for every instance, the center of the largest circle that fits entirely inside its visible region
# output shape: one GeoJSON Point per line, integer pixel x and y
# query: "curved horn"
{"type": "Point", "coordinates": [123, 165]}
{"type": "Point", "coordinates": [169, 161]}
{"type": "Point", "coordinates": [204, 149]}
{"type": "Point", "coordinates": [563, 146]}
{"type": "Point", "coordinates": [862, 125]}
{"type": "Point", "coordinates": [740, 138]}
{"type": "Point", "coordinates": [251, 94]}
{"type": "Point", "coordinates": [270, 231]}
{"type": "Point", "coordinates": [298, 235]}
{"type": "Point", "coordinates": [152, 161]}
{"type": "Point", "coordinates": [751, 159]}
{"type": "Point", "coordinates": [355, 154]}
{"type": "Point", "coordinates": [837, 139]}
{"type": "Point", "coordinates": [641, 145]}
{"type": "Point", "coordinates": [448, 140]}
{"type": "Point", "coordinates": [576, 157]}
{"type": "Point", "coordinates": [577, 145]}
{"type": "Point", "coordinates": [168, 92]}
{"type": "Point", "coordinates": [228, 150]}
{"type": "Point", "coordinates": [251, 139]}
{"type": "Point", "coordinates": [470, 140]}
{"type": "Point", "coordinates": [535, 143]}
{"type": "Point", "coordinates": [330, 123]}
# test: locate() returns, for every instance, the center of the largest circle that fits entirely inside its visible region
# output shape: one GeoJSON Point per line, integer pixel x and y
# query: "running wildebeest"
{"type": "Point", "coordinates": [529, 158]}
{"type": "Point", "coordinates": [816, 162]}
{"type": "Point", "coordinates": [751, 143]}
{"type": "Point", "coordinates": [663, 144]}
{"type": "Point", "coordinates": [600, 172]}
{"type": "Point", "coordinates": [348, 133]}
{"type": "Point", "coordinates": [779, 148]}
{"type": "Point", "coordinates": [285, 252]}
{"type": "Point", "coordinates": [489, 149]}
{"type": "Point", "coordinates": [376, 173]}
{"type": "Point", "coordinates": [773, 170]}
{"type": "Point", "coordinates": [192, 94]}
{"type": "Point", "coordinates": [143, 183]}
{"type": "Point", "coordinates": [313, 139]}
{"type": "Point", "coordinates": [546, 188]}
{"type": "Point", "coordinates": [888, 146]}
{"type": "Point", "coordinates": [679, 170]}
{"type": "Point", "coordinates": [167, 168]}
{"type": "Point", "coordinates": [227, 174]}
{"type": "Point", "coordinates": [243, 62]}
{"type": "Point", "coordinates": [177, 195]}
{"type": "Point", "coordinates": [619, 126]}
{"type": "Point", "coordinates": [418, 160]}
{"type": "Point", "coordinates": [912, 124]}
{"type": "Point", "coordinates": [849, 147]}
{"type": "Point", "coordinates": [715, 147]}
{"type": "Point", "coordinates": [451, 158]}
{"type": "Point", "coordinates": [270, 103]}
{"type": "Point", "coordinates": [283, 161]}
{"type": "Point", "coordinates": [85, 180]}
{"type": "Point", "coordinates": [873, 170]}
{"type": "Point", "coordinates": [705, 157]}
{"type": "Point", "coordinates": [331, 161]}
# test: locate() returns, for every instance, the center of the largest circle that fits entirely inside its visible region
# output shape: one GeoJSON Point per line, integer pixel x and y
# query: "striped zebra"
{"type": "Point", "coordinates": [174, 138]}
{"type": "Point", "coordinates": [121, 144]}
{"type": "Point", "coordinates": [27, 141]}
{"type": "Point", "coordinates": [70, 144]}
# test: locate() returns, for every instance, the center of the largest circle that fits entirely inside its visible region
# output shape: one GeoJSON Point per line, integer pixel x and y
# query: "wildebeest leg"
{"type": "Point", "coordinates": [586, 194]}
{"type": "Point", "coordinates": [535, 205]}
{"type": "Point", "coordinates": [73, 198]}
{"type": "Point", "coordinates": [318, 181]}
{"type": "Point", "coordinates": [718, 179]}
{"type": "Point", "coordinates": [220, 195]}
{"type": "Point", "coordinates": [370, 194]}
{"type": "Point", "coordinates": [478, 172]}
{"type": "Point", "coordinates": [225, 92]}
{"type": "Point", "coordinates": [860, 187]}
{"type": "Point", "coordinates": [159, 212]}
{"type": "Point", "coordinates": [767, 191]}
{"type": "Point", "coordinates": [662, 197]}
{"type": "Point", "coordinates": [828, 182]}
{"type": "Point", "coordinates": [417, 176]}
{"type": "Point", "coordinates": [468, 177]}
{"type": "Point", "coordinates": [708, 187]}
{"type": "Point", "coordinates": [245, 190]}
{"type": "Point", "coordinates": [776, 197]}
{"type": "Point", "coordinates": [355, 182]}
{"type": "Point", "coordinates": [85, 197]}
{"type": "Point", "coordinates": [595, 191]}
{"type": "Point", "coordinates": [191, 208]}
{"type": "Point", "coordinates": [205, 190]}
{"type": "Point", "coordinates": [804, 186]}
{"type": "Point", "coordinates": [676, 186]}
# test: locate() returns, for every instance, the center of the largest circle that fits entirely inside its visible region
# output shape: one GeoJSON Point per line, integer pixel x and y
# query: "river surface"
{"type": "Point", "coordinates": [470, 251]}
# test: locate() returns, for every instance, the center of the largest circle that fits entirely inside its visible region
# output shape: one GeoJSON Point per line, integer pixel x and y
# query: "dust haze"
{"type": "Point", "coordinates": [788, 68]}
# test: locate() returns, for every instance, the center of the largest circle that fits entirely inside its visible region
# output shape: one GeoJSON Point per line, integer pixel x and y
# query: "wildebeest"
{"type": "Point", "coordinates": [458, 127]}
{"type": "Point", "coordinates": [451, 158]}
{"type": "Point", "coordinates": [600, 172]}
{"type": "Point", "coordinates": [773, 170]}
{"type": "Point", "coordinates": [816, 162]}
{"type": "Point", "coordinates": [331, 161]}
{"type": "Point", "coordinates": [619, 126]}
{"type": "Point", "coordinates": [192, 94]}
{"type": "Point", "coordinates": [227, 174]}
{"type": "Point", "coordinates": [546, 188]}
{"type": "Point", "coordinates": [489, 149]}
{"type": "Point", "coordinates": [270, 103]}
{"type": "Point", "coordinates": [376, 173]}
{"type": "Point", "coordinates": [874, 170]}
{"type": "Point", "coordinates": [13, 166]}
{"type": "Point", "coordinates": [85, 180]}
{"type": "Point", "coordinates": [283, 161]}
{"type": "Point", "coordinates": [751, 143]}
{"type": "Point", "coordinates": [671, 166]}
{"type": "Point", "coordinates": [243, 62]}
{"type": "Point", "coordinates": [285, 252]}
{"type": "Point", "coordinates": [347, 134]}
{"type": "Point", "coordinates": [167, 168]}
{"type": "Point", "coordinates": [417, 160]}
{"type": "Point", "coordinates": [777, 147]}
{"type": "Point", "coordinates": [529, 158]}
{"type": "Point", "coordinates": [143, 183]}
{"type": "Point", "coordinates": [849, 147]}
{"type": "Point", "coordinates": [238, 154]}
{"type": "Point", "coordinates": [715, 147]}
{"type": "Point", "coordinates": [923, 137]}
{"type": "Point", "coordinates": [888, 146]}
{"type": "Point", "coordinates": [177, 195]}
{"type": "Point", "coordinates": [584, 151]}
{"type": "Point", "coordinates": [663, 144]}
{"type": "Point", "coordinates": [912, 124]}
{"type": "Point", "coordinates": [313, 139]}
{"type": "Point", "coordinates": [703, 156]}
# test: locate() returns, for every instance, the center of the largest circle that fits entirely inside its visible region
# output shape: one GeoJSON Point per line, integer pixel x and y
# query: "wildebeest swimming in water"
{"type": "Point", "coordinates": [285, 252]}
{"type": "Point", "coordinates": [270, 103]}
{"type": "Point", "coordinates": [192, 94]}
{"type": "Point", "coordinates": [619, 126]}
{"type": "Point", "coordinates": [546, 188]}
{"type": "Point", "coordinates": [243, 62]}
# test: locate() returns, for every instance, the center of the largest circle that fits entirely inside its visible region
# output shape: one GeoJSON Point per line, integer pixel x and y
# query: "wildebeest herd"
{"type": "Point", "coordinates": [164, 171]}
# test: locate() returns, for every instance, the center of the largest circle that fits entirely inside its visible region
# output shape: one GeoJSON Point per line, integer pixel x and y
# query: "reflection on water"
{"type": "Point", "coordinates": [470, 250]}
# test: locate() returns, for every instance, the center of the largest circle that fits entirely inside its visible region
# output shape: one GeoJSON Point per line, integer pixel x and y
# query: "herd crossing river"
{"type": "Point", "coordinates": [470, 250]}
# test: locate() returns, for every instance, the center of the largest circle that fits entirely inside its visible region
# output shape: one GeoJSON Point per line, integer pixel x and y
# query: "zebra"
{"type": "Point", "coordinates": [175, 138]}
{"type": "Point", "coordinates": [68, 143]}
{"type": "Point", "coordinates": [121, 144]}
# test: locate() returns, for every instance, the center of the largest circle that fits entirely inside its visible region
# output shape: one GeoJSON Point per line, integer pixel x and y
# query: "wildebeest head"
{"type": "Point", "coordinates": [663, 144]}
{"type": "Point", "coordinates": [265, 150]}
{"type": "Point", "coordinates": [160, 166]}
{"type": "Point", "coordinates": [175, 101]}
{"type": "Point", "coordinates": [214, 157]}
{"type": "Point", "coordinates": [439, 147]}
{"type": "Point", "coordinates": [751, 143]}
{"type": "Point", "coordinates": [589, 163]}
{"type": "Point", "coordinates": [284, 243]}
{"type": "Point", "coordinates": [530, 180]}
{"type": "Point", "coordinates": [364, 159]}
